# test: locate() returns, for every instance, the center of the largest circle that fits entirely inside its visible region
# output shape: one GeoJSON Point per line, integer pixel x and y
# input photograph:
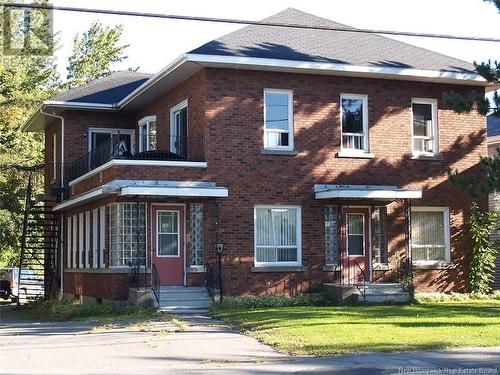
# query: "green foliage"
{"type": "Point", "coordinates": [436, 297]}
{"type": "Point", "coordinates": [487, 185]}
{"type": "Point", "coordinates": [73, 310]}
{"type": "Point", "coordinates": [94, 53]}
{"type": "Point", "coordinates": [274, 300]}
{"type": "Point", "coordinates": [461, 104]}
{"type": "Point", "coordinates": [495, 2]}
{"type": "Point", "coordinates": [483, 250]}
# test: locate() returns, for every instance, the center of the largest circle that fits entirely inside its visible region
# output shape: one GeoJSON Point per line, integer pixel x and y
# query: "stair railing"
{"type": "Point", "coordinates": [155, 282]}
{"type": "Point", "coordinates": [364, 279]}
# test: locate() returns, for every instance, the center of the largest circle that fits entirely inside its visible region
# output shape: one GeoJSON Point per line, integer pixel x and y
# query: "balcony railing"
{"type": "Point", "coordinates": [118, 147]}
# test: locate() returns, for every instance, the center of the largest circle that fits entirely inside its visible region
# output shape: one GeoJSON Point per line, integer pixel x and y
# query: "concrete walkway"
{"type": "Point", "coordinates": [198, 345]}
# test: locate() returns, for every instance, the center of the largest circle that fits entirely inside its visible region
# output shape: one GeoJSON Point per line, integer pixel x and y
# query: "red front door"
{"type": "Point", "coordinates": [168, 243]}
{"type": "Point", "coordinates": [356, 262]}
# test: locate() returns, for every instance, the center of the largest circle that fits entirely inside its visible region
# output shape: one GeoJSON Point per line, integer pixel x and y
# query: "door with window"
{"type": "Point", "coordinates": [168, 243]}
{"type": "Point", "coordinates": [356, 260]}
{"type": "Point", "coordinates": [178, 129]}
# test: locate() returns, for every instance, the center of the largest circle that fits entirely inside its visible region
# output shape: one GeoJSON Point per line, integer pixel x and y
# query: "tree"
{"type": "Point", "coordinates": [489, 71]}
{"type": "Point", "coordinates": [25, 81]}
{"type": "Point", "coordinates": [94, 53]}
{"type": "Point", "coordinates": [26, 78]}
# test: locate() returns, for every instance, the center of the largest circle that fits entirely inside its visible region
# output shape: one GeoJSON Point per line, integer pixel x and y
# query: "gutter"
{"type": "Point", "coordinates": [61, 293]}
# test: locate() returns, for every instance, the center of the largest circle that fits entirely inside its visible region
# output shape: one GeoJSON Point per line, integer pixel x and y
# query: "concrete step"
{"type": "Point", "coordinates": [383, 298]}
{"type": "Point", "coordinates": [382, 288]}
{"type": "Point", "coordinates": [182, 299]}
{"type": "Point", "coordinates": [182, 289]}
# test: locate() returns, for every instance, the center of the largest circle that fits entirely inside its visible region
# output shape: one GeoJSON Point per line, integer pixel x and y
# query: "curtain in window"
{"type": "Point", "coordinates": [277, 119]}
{"type": "Point", "coordinates": [276, 235]}
{"type": "Point", "coordinates": [427, 234]}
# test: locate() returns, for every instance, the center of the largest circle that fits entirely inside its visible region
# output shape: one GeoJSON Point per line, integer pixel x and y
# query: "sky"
{"type": "Point", "coordinates": [156, 42]}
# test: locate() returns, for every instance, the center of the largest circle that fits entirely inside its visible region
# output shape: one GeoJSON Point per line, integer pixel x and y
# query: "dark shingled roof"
{"type": "Point", "coordinates": [327, 46]}
{"type": "Point", "coordinates": [106, 90]}
{"type": "Point", "coordinates": [493, 123]}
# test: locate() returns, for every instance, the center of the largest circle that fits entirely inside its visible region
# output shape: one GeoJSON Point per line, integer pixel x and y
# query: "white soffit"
{"type": "Point", "coordinates": [175, 191]}
{"type": "Point", "coordinates": [365, 192]}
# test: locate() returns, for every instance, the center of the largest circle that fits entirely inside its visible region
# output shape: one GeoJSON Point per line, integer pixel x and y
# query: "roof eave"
{"type": "Point", "coordinates": [256, 63]}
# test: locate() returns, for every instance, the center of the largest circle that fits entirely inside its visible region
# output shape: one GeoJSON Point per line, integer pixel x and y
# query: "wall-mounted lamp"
{"type": "Point", "coordinates": [219, 247]}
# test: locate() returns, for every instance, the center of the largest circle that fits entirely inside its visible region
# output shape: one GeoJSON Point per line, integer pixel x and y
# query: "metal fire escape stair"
{"type": "Point", "coordinates": [39, 244]}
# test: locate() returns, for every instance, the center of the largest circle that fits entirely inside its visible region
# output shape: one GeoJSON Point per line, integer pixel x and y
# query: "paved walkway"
{"type": "Point", "coordinates": [197, 346]}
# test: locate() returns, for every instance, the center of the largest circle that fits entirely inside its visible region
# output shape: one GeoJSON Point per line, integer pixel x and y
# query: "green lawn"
{"type": "Point", "coordinates": [347, 329]}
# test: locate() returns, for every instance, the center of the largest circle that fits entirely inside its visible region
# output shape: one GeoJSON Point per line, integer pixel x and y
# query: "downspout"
{"type": "Point", "coordinates": [61, 216]}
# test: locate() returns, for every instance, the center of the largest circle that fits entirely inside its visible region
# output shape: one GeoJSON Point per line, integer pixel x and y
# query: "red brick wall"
{"type": "Point", "coordinates": [235, 100]}
{"type": "Point", "coordinates": [226, 108]}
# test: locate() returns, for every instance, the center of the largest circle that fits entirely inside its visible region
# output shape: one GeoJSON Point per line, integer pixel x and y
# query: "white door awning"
{"type": "Point", "coordinates": [365, 192]}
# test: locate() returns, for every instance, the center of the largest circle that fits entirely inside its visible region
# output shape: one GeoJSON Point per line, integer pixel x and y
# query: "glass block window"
{"type": "Point", "coordinates": [331, 235]}
{"type": "Point", "coordinates": [379, 235]}
{"type": "Point", "coordinates": [127, 234]}
{"type": "Point", "coordinates": [196, 228]}
{"type": "Point", "coordinates": [277, 235]}
{"type": "Point", "coordinates": [430, 234]}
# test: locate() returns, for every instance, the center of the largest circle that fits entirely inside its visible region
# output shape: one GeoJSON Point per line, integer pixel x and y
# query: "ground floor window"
{"type": "Point", "coordinates": [197, 238]}
{"type": "Point", "coordinates": [277, 235]}
{"type": "Point", "coordinates": [430, 234]}
{"type": "Point", "coordinates": [379, 235]}
{"type": "Point", "coordinates": [127, 227]}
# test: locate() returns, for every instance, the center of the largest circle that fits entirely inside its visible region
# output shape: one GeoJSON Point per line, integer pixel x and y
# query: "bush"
{"type": "Point", "coordinates": [274, 300]}
{"type": "Point", "coordinates": [68, 310]}
{"type": "Point", "coordinates": [454, 297]}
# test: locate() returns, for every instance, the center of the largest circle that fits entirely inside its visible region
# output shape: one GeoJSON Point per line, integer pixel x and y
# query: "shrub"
{"type": "Point", "coordinates": [274, 300]}
{"type": "Point", "coordinates": [455, 297]}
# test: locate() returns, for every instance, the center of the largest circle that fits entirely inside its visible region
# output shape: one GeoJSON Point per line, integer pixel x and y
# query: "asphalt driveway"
{"type": "Point", "coordinates": [198, 346]}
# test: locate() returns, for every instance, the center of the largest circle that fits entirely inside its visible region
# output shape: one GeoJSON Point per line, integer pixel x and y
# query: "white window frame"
{"type": "Point", "coordinates": [80, 240]}
{"type": "Point", "coordinates": [446, 222]}
{"type": "Point", "coordinates": [173, 130]}
{"type": "Point", "coordinates": [178, 234]}
{"type": "Point", "coordinates": [435, 127]}
{"type": "Point", "coordinates": [54, 157]}
{"type": "Point", "coordinates": [102, 236]}
{"type": "Point", "coordinates": [298, 212]}
{"type": "Point", "coordinates": [363, 235]}
{"type": "Point", "coordinates": [87, 239]}
{"type": "Point", "coordinates": [130, 132]}
{"type": "Point", "coordinates": [290, 146]}
{"type": "Point", "coordinates": [147, 122]}
{"type": "Point", "coordinates": [74, 238]}
{"type": "Point", "coordinates": [366, 141]}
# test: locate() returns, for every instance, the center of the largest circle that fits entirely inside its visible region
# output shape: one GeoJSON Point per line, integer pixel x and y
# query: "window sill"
{"type": "Point", "coordinates": [271, 269]}
{"type": "Point", "coordinates": [330, 268]}
{"type": "Point", "coordinates": [279, 152]}
{"type": "Point", "coordinates": [358, 155]}
{"type": "Point", "coordinates": [381, 267]}
{"type": "Point", "coordinates": [433, 266]}
{"type": "Point", "coordinates": [196, 269]}
{"type": "Point", "coordinates": [427, 157]}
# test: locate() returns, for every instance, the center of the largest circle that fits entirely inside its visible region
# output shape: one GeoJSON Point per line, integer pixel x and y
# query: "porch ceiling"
{"type": "Point", "coordinates": [365, 192]}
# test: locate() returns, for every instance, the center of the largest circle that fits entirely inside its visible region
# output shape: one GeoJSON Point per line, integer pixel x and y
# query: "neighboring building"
{"type": "Point", "coordinates": [310, 156]}
{"type": "Point", "coordinates": [493, 124]}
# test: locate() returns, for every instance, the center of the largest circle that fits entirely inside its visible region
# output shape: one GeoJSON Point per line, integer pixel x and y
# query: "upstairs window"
{"type": "Point", "coordinates": [147, 134]}
{"type": "Point", "coordinates": [425, 127]}
{"type": "Point", "coordinates": [108, 140]}
{"type": "Point", "coordinates": [278, 119]}
{"type": "Point", "coordinates": [354, 117]}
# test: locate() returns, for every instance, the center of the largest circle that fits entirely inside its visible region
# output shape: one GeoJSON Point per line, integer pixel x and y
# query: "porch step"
{"type": "Point", "coordinates": [383, 292]}
{"type": "Point", "coordinates": [382, 288]}
{"type": "Point", "coordinates": [385, 298]}
{"type": "Point", "coordinates": [180, 299]}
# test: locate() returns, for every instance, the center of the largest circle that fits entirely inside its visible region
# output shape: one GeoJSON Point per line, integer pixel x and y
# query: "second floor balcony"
{"type": "Point", "coordinates": [120, 146]}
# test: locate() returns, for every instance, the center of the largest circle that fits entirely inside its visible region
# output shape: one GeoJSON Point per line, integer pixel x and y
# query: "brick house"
{"type": "Point", "coordinates": [307, 156]}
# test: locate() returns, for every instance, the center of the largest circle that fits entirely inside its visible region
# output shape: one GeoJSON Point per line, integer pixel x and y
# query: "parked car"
{"type": "Point", "coordinates": [31, 284]}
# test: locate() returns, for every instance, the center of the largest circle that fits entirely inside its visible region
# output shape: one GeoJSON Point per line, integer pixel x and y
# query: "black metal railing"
{"type": "Point", "coordinates": [211, 281]}
{"type": "Point", "coordinates": [155, 283]}
{"type": "Point", "coordinates": [119, 147]}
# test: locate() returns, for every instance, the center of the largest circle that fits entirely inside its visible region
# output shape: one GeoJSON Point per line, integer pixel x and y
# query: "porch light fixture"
{"type": "Point", "coordinates": [219, 247]}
